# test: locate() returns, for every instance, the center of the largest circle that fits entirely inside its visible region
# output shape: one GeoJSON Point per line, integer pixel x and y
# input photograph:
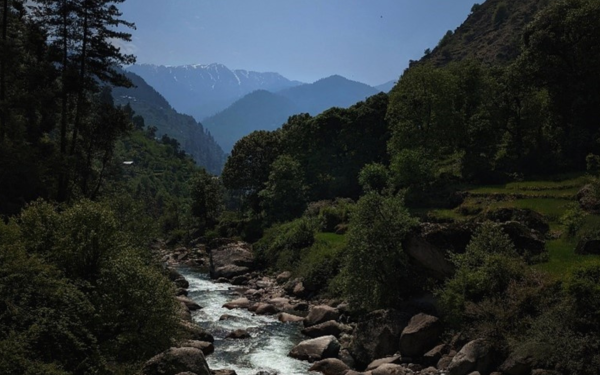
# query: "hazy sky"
{"type": "Point", "coordinates": [369, 41]}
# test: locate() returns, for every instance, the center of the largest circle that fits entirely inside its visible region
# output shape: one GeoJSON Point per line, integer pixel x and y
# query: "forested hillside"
{"type": "Point", "coordinates": [158, 113]}
{"type": "Point", "coordinates": [465, 186]}
{"type": "Point", "coordinates": [85, 187]}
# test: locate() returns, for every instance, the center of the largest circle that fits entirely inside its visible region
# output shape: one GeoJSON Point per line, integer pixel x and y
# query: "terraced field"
{"type": "Point", "coordinates": [551, 197]}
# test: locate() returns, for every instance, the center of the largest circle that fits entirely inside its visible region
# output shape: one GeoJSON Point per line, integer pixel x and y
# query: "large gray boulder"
{"type": "Point", "coordinates": [330, 327]}
{"type": "Point", "coordinates": [207, 347]}
{"type": "Point", "coordinates": [177, 360]}
{"type": "Point", "coordinates": [231, 260]}
{"type": "Point", "coordinates": [474, 356]}
{"type": "Point", "coordinates": [189, 303]}
{"type": "Point", "coordinates": [378, 335]}
{"type": "Point", "coordinates": [420, 335]}
{"type": "Point", "coordinates": [395, 359]}
{"type": "Point", "coordinates": [391, 369]}
{"type": "Point", "coordinates": [321, 314]}
{"type": "Point", "coordinates": [238, 303]}
{"type": "Point", "coordinates": [195, 332]}
{"type": "Point", "coordinates": [330, 366]}
{"type": "Point", "coordinates": [316, 349]}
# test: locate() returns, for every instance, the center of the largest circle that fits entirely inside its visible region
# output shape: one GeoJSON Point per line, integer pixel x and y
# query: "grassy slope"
{"type": "Point", "coordinates": [549, 196]}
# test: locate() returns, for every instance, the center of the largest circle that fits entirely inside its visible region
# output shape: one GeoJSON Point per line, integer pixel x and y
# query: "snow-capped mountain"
{"type": "Point", "coordinates": [204, 90]}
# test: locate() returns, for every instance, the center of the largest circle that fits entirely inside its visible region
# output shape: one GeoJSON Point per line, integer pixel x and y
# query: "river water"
{"type": "Point", "coordinates": [270, 340]}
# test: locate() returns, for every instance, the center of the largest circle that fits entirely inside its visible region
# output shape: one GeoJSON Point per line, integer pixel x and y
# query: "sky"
{"type": "Point", "coordinates": [369, 41]}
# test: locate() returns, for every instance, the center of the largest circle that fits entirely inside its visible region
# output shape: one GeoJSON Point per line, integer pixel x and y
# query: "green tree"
{"type": "Point", "coordinates": [377, 269]}
{"type": "Point", "coordinates": [248, 167]}
{"type": "Point", "coordinates": [207, 199]}
{"type": "Point", "coordinates": [284, 195]}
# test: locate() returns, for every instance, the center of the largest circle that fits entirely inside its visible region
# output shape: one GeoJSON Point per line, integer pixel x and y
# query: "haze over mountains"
{"type": "Point", "coordinates": [233, 103]}
{"type": "Point", "coordinates": [204, 90]}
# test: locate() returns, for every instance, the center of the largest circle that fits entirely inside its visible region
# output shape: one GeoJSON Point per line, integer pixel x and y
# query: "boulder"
{"type": "Point", "coordinates": [587, 246]}
{"type": "Point", "coordinates": [191, 305]}
{"type": "Point", "coordinates": [183, 312]}
{"type": "Point", "coordinates": [177, 360]}
{"type": "Point", "coordinates": [206, 347]}
{"type": "Point", "coordinates": [181, 283]}
{"type": "Point", "coordinates": [420, 335]}
{"type": "Point", "coordinates": [391, 369]}
{"type": "Point", "coordinates": [527, 241]}
{"type": "Point", "coordinates": [316, 349]}
{"type": "Point", "coordinates": [429, 244]}
{"type": "Point", "coordinates": [320, 314]}
{"type": "Point", "coordinates": [396, 359]}
{"type": "Point", "coordinates": [231, 260]}
{"type": "Point", "coordinates": [283, 277]}
{"type": "Point", "coordinates": [474, 356]}
{"type": "Point", "coordinates": [223, 372]}
{"type": "Point", "coordinates": [239, 303]}
{"type": "Point", "coordinates": [289, 318]}
{"type": "Point", "coordinates": [531, 219]}
{"type": "Point", "coordinates": [345, 356]}
{"type": "Point", "coordinates": [517, 364]}
{"type": "Point", "coordinates": [378, 335]}
{"type": "Point", "coordinates": [589, 199]}
{"type": "Point", "coordinates": [265, 309]}
{"type": "Point", "coordinates": [194, 332]}
{"type": "Point", "coordinates": [330, 366]}
{"type": "Point", "coordinates": [238, 334]}
{"type": "Point", "coordinates": [181, 292]}
{"type": "Point", "coordinates": [327, 328]}
{"type": "Point", "coordinates": [432, 357]}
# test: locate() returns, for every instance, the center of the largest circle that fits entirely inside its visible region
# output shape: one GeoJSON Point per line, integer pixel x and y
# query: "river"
{"type": "Point", "coordinates": [270, 340]}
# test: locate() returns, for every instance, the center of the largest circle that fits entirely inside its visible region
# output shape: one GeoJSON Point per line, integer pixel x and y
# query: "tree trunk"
{"type": "Point", "coordinates": [3, 106]}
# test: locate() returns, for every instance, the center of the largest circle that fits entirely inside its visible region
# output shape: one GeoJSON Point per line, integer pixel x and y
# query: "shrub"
{"type": "Point", "coordinates": [572, 220]}
{"type": "Point", "coordinates": [321, 263]}
{"type": "Point", "coordinates": [377, 268]}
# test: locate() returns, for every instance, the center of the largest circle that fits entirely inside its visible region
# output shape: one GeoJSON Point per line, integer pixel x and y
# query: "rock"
{"type": "Point", "coordinates": [316, 349]}
{"type": "Point", "coordinates": [181, 292]}
{"type": "Point", "coordinates": [229, 317]}
{"type": "Point", "coordinates": [432, 357]}
{"type": "Point", "coordinates": [429, 244]}
{"type": "Point", "coordinates": [378, 335]}
{"type": "Point", "coordinates": [517, 364]}
{"type": "Point", "coordinates": [279, 302]}
{"type": "Point", "coordinates": [177, 360]}
{"type": "Point", "coordinates": [265, 309]}
{"type": "Point", "coordinates": [194, 332]}
{"type": "Point", "coordinates": [352, 372]}
{"type": "Point", "coordinates": [429, 371]}
{"type": "Point", "coordinates": [206, 347]}
{"type": "Point", "coordinates": [239, 303]}
{"type": "Point", "coordinates": [396, 359]}
{"type": "Point", "coordinates": [231, 260]}
{"type": "Point", "coordinates": [588, 199]}
{"type": "Point", "coordinates": [544, 372]}
{"type": "Point", "coordinates": [223, 372]}
{"type": "Point", "coordinates": [421, 333]}
{"type": "Point", "coordinates": [181, 283]}
{"type": "Point", "coordinates": [529, 218]}
{"type": "Point", "coordinates": [327, 328]}
{"type": "Point", "coordinates": [588, 247]}
{"type": "Point", "coordinates": [283, 277]}
{"type": "Point", "coordinates": [299, 290]}
{"type": "Point", "coordinates": [474, 356]}
{"type": "Point", "coordinates": [238, 334]}
{"type": "Point", "coordinates": [345, 356]}
{"type": "Point", "coordinates": [239, 280]}
{"type": "Point", "coordinates": [320, 314]}
{"type": "Point", "coordinates": [191, 305]}
{"type": "Point", "coordinates": [391, 369]}
{"type": "Point", "coordinates": [300, 306]}
{"type": "Point", "coordinates": [444, 362]}
{"type": "Point", "coordinates": [527, 241]}
{"type": "Point", "coordinates": [330, 366]}
{"type": "Point", "coordinates": [289, 318]}
{"type": "Point", "coordinates": [184, 313]}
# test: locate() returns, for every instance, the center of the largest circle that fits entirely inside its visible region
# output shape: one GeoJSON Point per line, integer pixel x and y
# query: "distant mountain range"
{"type": "Point", "coordinates": [263, 110]}
{"type": "Point", "coordinates": [204, 90]}
{"type": "Point", "coordinates": [233, 103]}
{"type": "Point", "coordinates": [157, 111]}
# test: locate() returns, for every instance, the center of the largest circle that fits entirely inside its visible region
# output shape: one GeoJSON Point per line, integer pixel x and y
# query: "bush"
{"type": "Point", "coordinates": [281, 244]}
{"type": "Point", "coordinates": [572, 220]}
{"type": "Point", "coordinates": [378, 272]}
{"type": "Point", "coordinates": [321, 263]}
